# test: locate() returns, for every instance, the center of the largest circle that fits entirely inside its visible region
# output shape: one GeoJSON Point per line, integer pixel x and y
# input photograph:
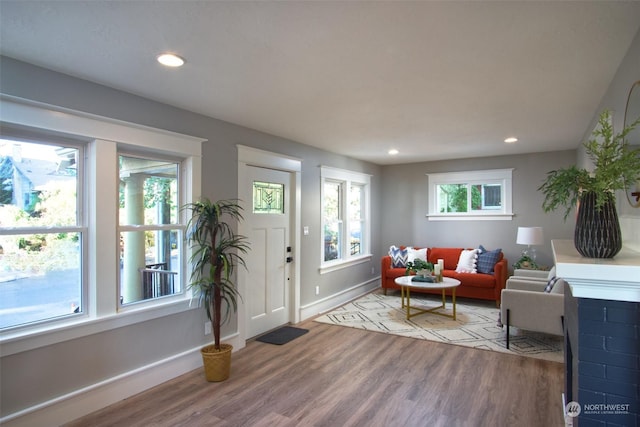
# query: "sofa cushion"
{"type": "Point", "coordinates": [467, 261]}
{"type": "Point", "coordinates": [415, 253]}
{"type": "Point", "coordinates": [473, 280]}
{"type": "Point", "coordinates": [488, 259]}
{"type": "Point", "coordinates": [449, 255]}
{"type": "Point", "coordinates": [398, 256]}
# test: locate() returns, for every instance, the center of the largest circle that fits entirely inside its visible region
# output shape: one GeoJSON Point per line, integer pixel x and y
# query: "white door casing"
{"type": "Point", "coordinates": [270, 285]}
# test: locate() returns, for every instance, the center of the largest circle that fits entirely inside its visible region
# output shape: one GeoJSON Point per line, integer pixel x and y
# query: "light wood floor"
{"type": "Point", "coordinates": [337, 376]}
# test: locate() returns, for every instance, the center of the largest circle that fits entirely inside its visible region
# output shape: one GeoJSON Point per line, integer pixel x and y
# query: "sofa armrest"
{"type": "Point", "coordinates": [500, 271]}
{"type": "Point", "coordinates": [385, 264]}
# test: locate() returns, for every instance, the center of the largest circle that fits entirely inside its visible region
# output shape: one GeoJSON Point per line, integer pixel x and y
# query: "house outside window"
{"type": "Point", "coordinates": [70, 223]}
{"type": "Point", "coordinates": [470, 195]}
{"type": "Point", "coordinates": [42, 231]}
{"type": "Point", "coordinates": [345, 218]}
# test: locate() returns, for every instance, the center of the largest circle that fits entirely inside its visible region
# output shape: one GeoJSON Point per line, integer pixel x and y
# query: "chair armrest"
{"type": "Point", "coordinates": [522, 284]}
{"type": "Point", "coordinates": [531, 274]}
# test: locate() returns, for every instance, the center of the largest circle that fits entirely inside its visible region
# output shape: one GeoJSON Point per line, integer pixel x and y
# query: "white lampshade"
{"type": "Point", "coordinates": [530, 236]}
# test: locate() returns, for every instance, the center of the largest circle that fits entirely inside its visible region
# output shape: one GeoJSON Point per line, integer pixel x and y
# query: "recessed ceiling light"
{"type": "Point", "coordinates": [511, 140]}
{"type": "Point", "coordinates": [393, 152]}
{"type": "Point", "coordinates": [170, 60]}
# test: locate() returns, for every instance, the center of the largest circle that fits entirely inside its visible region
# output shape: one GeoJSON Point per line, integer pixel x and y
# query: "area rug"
{"type": "Point", "coordinates": [282, 335]}
{"type": "Point", "coordinates": [476, 324]}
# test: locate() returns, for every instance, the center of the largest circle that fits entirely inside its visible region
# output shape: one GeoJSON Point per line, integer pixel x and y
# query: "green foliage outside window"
{"type": "Point", "coordinates": [456, 198]}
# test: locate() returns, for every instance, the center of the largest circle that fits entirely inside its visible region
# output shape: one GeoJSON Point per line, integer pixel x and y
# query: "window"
{"type": "Point", "coordinates": [470, 195]}
{"type": "Point", "coordinates": [150, 233]}
{"type": "Point", "coordinates": [91, 230]}
{"type": "Point", "coordinates": [345, 218]}
{"type": "Point", "coordinates": [41, 231]}
{"type": "Point", "coordinates": [268, 198]}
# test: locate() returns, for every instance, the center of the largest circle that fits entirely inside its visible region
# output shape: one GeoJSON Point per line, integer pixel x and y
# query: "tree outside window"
{"type": "Point", "coordinates": [41, 232]}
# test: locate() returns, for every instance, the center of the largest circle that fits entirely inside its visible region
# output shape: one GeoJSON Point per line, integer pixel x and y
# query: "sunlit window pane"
{"type": "Point", "coordinates": [149, 258]}
{"type": "Point", "coordinates": [452, 198]}
{"type": "Point", "coordinates": [332, 217]}
{"type": "Point", "coordinates": [40, 273]}
{"type": "Point", "coordinates": [40, 277]}
{"type": "Point", "coordinates": [38, 185]}
{"type": "Point", "coordinates": [148, 191]}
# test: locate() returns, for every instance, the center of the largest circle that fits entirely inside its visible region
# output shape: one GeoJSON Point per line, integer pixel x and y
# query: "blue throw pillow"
{"type": "Point", "coordinates": [398, 257]}
{"type": "Point", "coordinates": [487, 259]}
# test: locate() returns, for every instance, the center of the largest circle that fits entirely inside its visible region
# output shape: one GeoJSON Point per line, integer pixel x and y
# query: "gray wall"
{"type": "Point", "coordinates": [615, 100]}
{"type": "Point", "coordinates": [35, 376]}
{"type": "Point", "coordinates": [405, 193]}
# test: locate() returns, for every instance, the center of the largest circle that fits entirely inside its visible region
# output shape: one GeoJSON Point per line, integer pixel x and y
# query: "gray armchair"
{"type": "Point", "coordinates": [526, 305]}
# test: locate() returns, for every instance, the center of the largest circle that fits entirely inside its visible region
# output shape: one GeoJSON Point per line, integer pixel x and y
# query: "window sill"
{"type": "Point", "coordinates": [339, 265]}
{"type": "Point", "coordinates": [25, 339]}
{"type": "Point", "coordinates": [471, 217]}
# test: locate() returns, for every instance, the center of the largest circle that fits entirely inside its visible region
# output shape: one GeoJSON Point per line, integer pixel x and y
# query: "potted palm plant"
{"type": "Point", "coordinates": [216, 251]}
{"type": "Point", "coordinates": [597, 233]}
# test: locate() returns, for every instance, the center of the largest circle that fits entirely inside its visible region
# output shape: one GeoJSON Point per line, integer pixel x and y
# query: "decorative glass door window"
{"type": "Point", "coordinates": [268, 198]}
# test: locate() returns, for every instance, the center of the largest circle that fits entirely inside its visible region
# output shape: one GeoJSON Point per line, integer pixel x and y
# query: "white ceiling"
{"type": "Point", "coordinates": [435, 80]}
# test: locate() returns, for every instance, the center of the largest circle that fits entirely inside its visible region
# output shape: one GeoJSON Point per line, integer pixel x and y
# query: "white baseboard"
{"type": "Point", "coordinates": [79, 403]}
{"type": "Point", "coordinates": [336, 300]}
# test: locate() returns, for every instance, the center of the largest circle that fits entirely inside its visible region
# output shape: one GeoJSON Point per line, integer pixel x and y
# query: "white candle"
{"type": "Point", "coordinates": [437, 269]}
{"type": "Point", "coordinates": [441, 264]}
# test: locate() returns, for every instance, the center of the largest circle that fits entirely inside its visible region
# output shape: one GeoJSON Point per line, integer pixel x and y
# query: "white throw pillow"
{"type": "Point", "coordinates": [414, 254]}
{"type": "Point", "coordinates": [467, 261]}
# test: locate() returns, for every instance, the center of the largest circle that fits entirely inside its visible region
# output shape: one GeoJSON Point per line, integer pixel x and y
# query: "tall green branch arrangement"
{"type": "Point", "coordinates": [615, 165]}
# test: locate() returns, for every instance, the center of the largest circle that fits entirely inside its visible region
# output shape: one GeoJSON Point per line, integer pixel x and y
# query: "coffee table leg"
{"type": "Point", "coordinates": [408, 303]}
{"type": "Point", "coordinates": [453, 301]}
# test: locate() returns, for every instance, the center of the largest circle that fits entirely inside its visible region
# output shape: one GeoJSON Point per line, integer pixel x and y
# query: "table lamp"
{"type": "Point", "coordinates": [529, 236]}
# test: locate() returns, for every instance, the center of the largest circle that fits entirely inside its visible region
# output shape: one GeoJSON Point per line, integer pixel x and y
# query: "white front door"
{"type": "Point", "coordinates": [266, 196]}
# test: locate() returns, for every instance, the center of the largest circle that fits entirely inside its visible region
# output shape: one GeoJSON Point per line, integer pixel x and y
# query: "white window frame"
{"type": "Point", "coordinates": [106, 137]}
{"type": "Point", "coordinates": [346, 178]}
{"type": "Point", "coordinates": [503, 177]}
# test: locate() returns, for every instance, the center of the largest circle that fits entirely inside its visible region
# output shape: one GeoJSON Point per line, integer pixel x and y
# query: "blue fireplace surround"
{"type": "Point", "coordinates": [602, 337]}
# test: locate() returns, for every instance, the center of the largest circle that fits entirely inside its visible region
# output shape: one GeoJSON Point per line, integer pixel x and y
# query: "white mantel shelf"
{"type": "Point", "coordinates": [616, 278]}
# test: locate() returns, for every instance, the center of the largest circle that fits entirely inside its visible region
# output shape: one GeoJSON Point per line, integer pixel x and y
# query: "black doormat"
{"type": "Point", "coordinates": [282, 335]}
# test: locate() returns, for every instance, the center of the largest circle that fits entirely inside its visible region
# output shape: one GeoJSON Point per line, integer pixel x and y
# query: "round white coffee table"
{"type": "Point", "coordinates": [406, 284]}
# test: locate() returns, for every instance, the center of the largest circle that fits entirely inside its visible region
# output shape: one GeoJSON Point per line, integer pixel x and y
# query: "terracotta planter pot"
{"type": "Point", "coordinates": [217, 363]}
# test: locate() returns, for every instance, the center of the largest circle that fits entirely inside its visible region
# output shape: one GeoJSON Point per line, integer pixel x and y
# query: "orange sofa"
{"type": "Point", "coordinates": [472, 285]}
